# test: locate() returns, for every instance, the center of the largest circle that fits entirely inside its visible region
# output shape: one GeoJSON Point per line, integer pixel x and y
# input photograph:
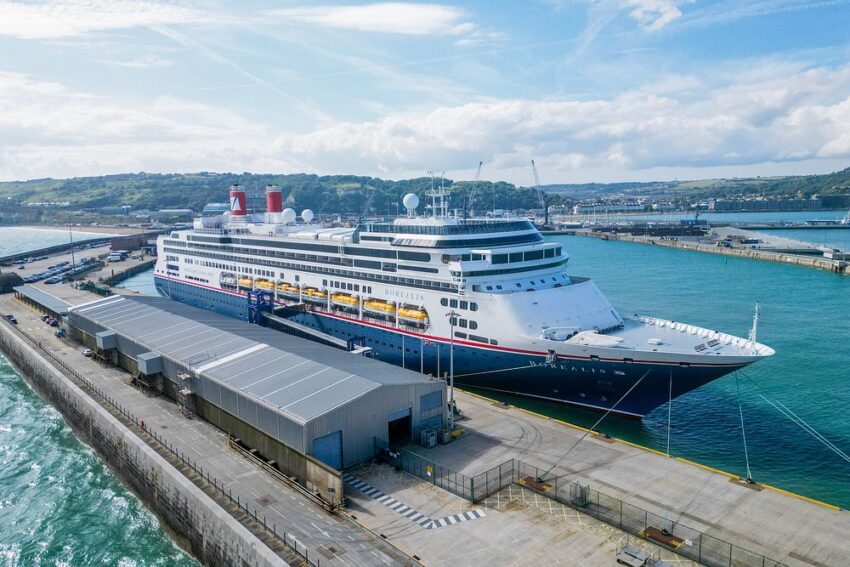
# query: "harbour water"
{"type": "Point", "coordinates": [59, 503]}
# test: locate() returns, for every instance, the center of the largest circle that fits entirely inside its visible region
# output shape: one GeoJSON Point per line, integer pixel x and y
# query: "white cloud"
{"type": "Point", "coordinates": [776, 113]}
{"type": "Point", "coordinates": [385, 17]}
{"type": "Point", "coordinates": [76, 18]}
{"type": "Point", "coordinates": [654, 14]}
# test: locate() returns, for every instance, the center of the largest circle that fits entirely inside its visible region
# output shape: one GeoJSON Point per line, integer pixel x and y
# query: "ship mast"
{"type": "Point", "coordinates": [755, 330]}
{"type": "Point", "coordinates": [439, 197]}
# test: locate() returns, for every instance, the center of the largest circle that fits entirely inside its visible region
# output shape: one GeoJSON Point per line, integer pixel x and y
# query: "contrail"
{"type": "Point", "coordinates": [187, 41]}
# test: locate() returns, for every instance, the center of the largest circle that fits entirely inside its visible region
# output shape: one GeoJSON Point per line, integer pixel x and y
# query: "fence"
{"type": "Point", "coordinates": [219, 487]}
{"type": "Point", "coordinates": [684, 540]}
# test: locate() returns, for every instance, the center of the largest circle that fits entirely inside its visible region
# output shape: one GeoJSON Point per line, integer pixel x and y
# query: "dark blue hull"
{"type": "Point", "coordinates": [592, 384]}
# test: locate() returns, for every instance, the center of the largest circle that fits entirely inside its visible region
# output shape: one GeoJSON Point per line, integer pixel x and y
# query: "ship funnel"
{"type": "Point", "coordinates": [274, 204]}
{"type": "Point", "coordinates": [238, 206]}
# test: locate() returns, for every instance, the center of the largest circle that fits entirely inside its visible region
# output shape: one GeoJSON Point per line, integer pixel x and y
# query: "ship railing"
{"type": "Point", "coordinates": [708, 334]}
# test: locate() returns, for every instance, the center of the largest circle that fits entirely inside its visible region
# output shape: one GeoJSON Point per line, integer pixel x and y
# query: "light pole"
{"type": "Point", "coordinates": [452, 322]}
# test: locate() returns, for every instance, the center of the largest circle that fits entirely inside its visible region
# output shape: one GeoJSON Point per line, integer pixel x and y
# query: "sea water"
{"type": "Point", "coordinates": [59, 503]}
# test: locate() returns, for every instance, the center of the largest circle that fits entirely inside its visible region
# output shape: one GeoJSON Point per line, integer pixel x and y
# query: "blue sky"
{"type": "Point", "coordinates": [604, 90]}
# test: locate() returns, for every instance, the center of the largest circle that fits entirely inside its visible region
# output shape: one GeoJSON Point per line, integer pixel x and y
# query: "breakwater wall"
{"type": "Point", "coordinates": [200, 524]}
{"type": "Point", "coordinates": [836, 266]}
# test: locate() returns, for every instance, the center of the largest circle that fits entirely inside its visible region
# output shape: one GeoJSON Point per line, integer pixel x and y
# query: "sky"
{"type": "Point", "coordinates": [592, 90]}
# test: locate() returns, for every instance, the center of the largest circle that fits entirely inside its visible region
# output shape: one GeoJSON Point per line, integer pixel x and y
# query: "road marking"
{"type": "Point", "coordinates": [408, 512]}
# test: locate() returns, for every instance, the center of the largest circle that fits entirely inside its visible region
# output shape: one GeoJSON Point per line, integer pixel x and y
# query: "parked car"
{"type": "Point", "coordinates": [11, 318]}
{"type": "Point", "coordinates": [87, 352]}
{"type": "Point", "coordinates": [60, 333]}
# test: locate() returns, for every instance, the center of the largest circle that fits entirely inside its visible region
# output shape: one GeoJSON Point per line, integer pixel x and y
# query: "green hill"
{"type": "Point", "coordinates": [323, 194]}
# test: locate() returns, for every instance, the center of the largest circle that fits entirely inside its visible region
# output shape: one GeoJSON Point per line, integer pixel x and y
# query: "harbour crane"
{"type": "Point", "coordinates": [467, 210]}
{"type": "Point", "coordinates": [541, 196]}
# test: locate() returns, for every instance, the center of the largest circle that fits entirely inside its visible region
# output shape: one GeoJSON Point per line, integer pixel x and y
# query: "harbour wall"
{"type": "Point", "coordinates": [200, 524]}
{"type": "Point", "coordinates": [129, 272]}
{"type": "Point", "coordinates": [836, 266]}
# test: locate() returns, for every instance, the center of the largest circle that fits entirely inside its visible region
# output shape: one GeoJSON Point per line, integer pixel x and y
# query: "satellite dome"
{"type": "Point", "coordinates": [288, 215]}
{"type": "Point", "coordinates": [411, 201]}
{"type": "Point", "coordinates": [307, 215]}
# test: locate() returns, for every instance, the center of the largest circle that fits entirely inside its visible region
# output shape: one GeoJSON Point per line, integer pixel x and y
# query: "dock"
{"type": "Point", "coordinates": [503, 491]}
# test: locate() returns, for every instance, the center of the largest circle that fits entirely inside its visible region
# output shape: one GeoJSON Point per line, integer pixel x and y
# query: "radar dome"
{"type": "Point", "coordinates": [307, 215]}
{"type": "Point", "coordinates": [288, 215]}
{"type": "Point", "coordinates": [411, 201]}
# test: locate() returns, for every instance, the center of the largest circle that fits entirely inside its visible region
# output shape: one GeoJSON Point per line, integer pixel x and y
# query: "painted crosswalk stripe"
{"type": "Point", "coordinates": [414, 516]}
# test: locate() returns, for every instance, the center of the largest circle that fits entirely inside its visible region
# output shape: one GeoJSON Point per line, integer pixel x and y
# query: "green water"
{"type": "Point", "coordinates": [59, 504]}
{"type": "Point", "coordinates": [805, 317]}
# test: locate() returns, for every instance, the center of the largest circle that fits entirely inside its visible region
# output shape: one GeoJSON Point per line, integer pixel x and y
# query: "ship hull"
{"type": "Point", "coordinates": [630, 390]}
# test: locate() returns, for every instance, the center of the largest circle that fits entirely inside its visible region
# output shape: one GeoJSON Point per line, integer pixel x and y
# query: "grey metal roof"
{"type": "Point", "coordinates": [298, 377]}
{"type": "Point", "coordinates": [43, 298]}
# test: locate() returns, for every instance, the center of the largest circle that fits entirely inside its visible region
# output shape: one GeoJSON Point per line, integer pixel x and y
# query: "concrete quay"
{"type": "Point", "coordinates": [791, 529]}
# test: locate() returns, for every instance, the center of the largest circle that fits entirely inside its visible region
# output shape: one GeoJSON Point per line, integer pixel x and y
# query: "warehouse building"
{"type": "Point", "coordinates": [311, 408]}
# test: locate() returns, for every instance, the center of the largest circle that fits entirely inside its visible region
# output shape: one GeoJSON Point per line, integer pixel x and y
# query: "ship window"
{"type": "Point", "coordinates": [479, 339]}
{"type": "Point", "coordinates": [460, 335]}
{"type": "Point", "coordinates": [494, 342]}
{"type": "Point", "coordinates": [444, 302]}
{"type": "Point", "coordinates": [462, 323]}
{"type": "Point", "coordinates": [356, 287]}
{"type": "Point", "coordinates": [516, 257]}
{"type": "Point", "coordinates": [534, 255]}
{"type": "Point", "coordinates": [325, 282]}
{"type": "Point", "coordinates": [464, 305]}
{"type": "Point", "coordinates": [453, 321]}
{"type": "Point", "coordinates": [549, 253]}
{"type": "Point", "coordinates": [474, 306]}
{"type": "Point", "coordinates": [518, 284]}
{"type": "Point", "coordinates": [478, 256]}
{"type": "Point", "coordinates": [500, 259]}
{"type": "Point", "coordinates": [350, 287]}
{"type": "Point", "coordinates": [453, 303]}
{"type": "Point", "coordinates": [473, 325]}
{"type": "Point", "coordinates": [498, 287]}
{"type": "Point", "coordinates": [489, 288]}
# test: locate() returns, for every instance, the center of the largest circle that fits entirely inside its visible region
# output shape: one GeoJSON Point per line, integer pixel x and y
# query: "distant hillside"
{"type": "Point", "coordinates": [837, 183]}
{"type": "Point", "coordinates": [332, 194]}
{"type": "Point", "coordinates": [324, 194]}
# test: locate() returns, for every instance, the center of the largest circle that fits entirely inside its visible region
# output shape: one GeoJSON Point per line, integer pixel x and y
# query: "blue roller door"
{"type": "Point", "coordinates": [328, 449]}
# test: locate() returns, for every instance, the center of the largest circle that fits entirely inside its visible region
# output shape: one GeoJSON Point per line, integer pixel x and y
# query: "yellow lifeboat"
{"type": "Point", "coordinates": [416, 314]}
{"type": "Point", "coordinates": [379, 306]}
{"type": "Point", "coordinates": [282, 286]}
{"type": "Point", "coordinates": [288, 289]}
{"type": "Point", "coordinates": [264, 284]}
{"type": "Point", "coordinates": [246, 282]}
{"type": "Point", "coordinates": [315, 295]}
{"type": "Point", "coordinates": [345, 300]}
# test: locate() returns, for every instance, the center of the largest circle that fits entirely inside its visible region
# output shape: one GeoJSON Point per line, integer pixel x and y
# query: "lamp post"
{"type": "Point", "coordinates": [452, 315]}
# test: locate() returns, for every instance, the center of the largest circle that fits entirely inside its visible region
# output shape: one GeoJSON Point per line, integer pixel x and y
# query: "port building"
{"type": "Point", "coordinates": [310, 408]}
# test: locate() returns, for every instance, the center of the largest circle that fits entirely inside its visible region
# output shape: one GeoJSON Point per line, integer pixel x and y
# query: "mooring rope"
{"type": "Point", "coordinates": [743, 430]}
{"type": "Point", "coordinates": [787, 412]}
{"type": "Point", "coordinates": [590, 430]}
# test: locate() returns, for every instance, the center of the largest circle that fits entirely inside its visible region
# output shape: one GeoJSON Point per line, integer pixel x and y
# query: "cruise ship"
{"type": "Point", "coordinates": [489, 299]}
